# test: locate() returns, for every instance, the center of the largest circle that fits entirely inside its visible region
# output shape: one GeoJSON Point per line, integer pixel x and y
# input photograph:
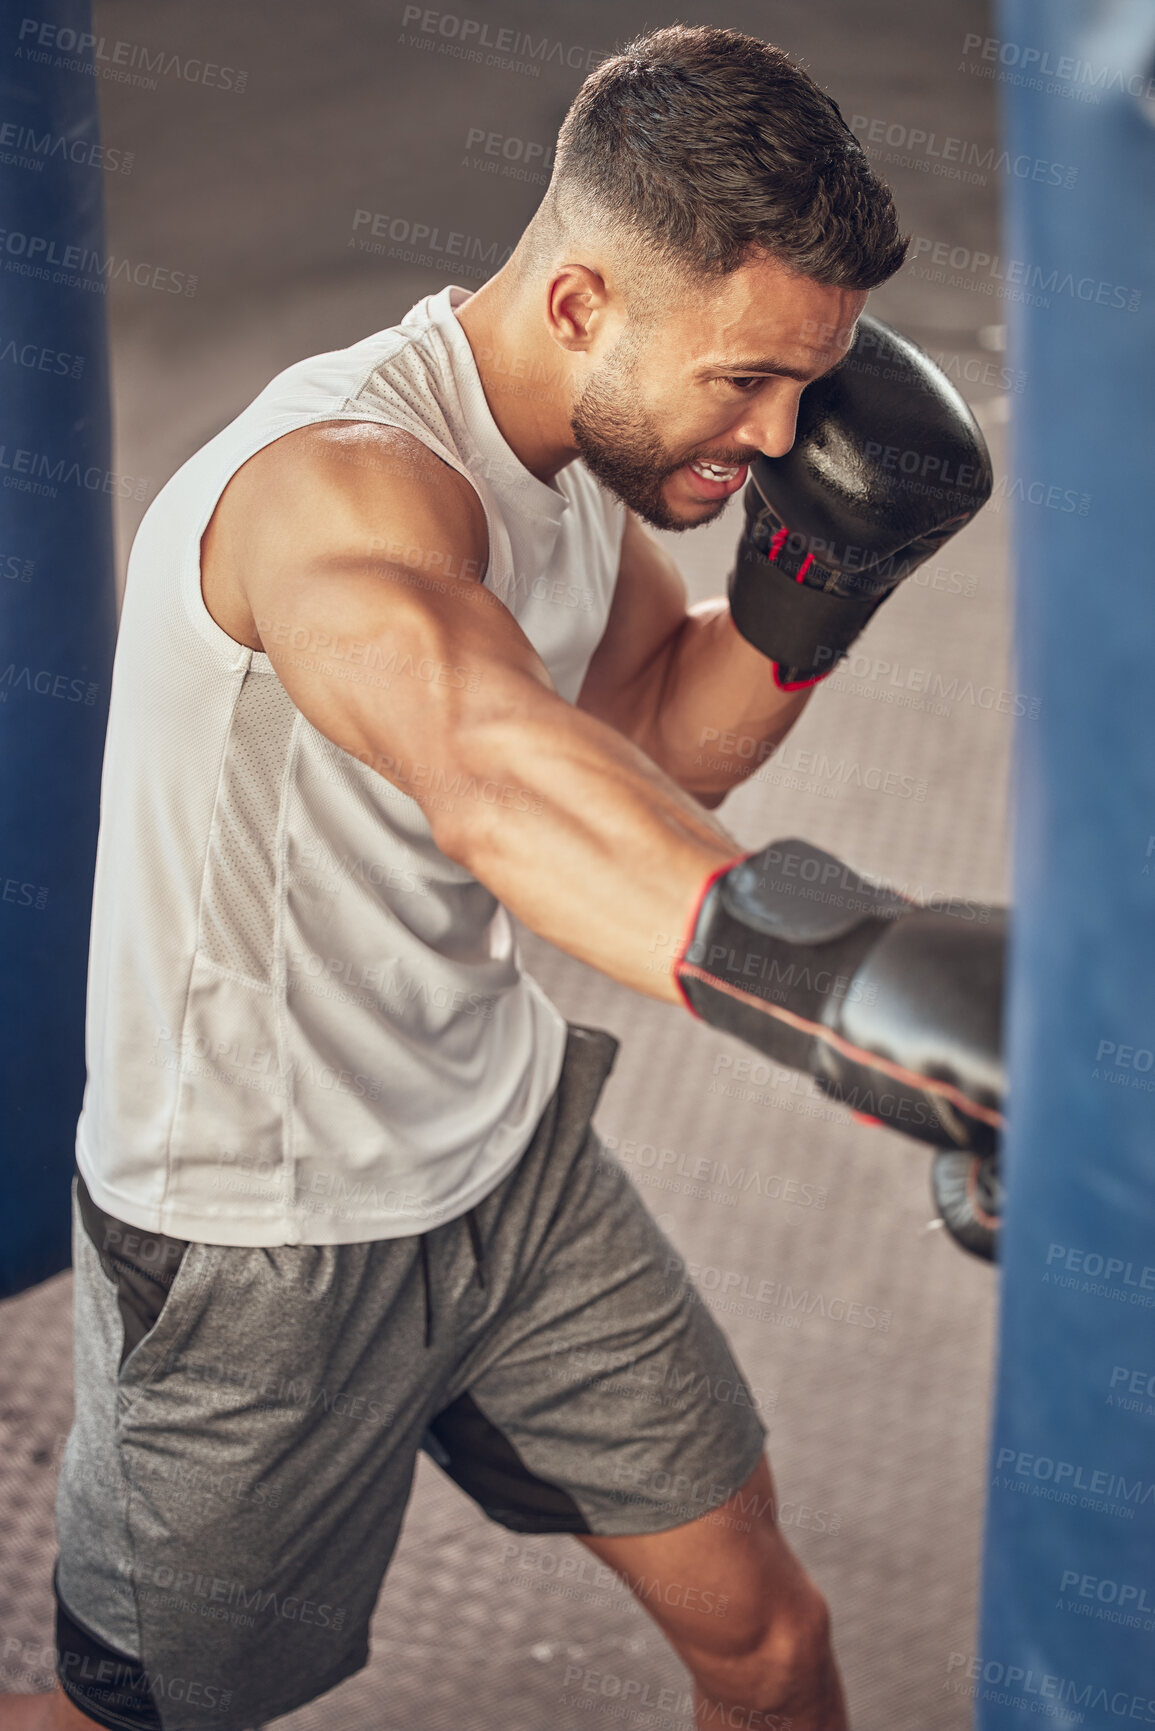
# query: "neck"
{"type": "Point", "coordinates": [525, 377]}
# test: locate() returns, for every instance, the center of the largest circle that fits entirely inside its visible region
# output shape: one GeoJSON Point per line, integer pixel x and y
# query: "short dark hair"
{"type": "Point", "coordinates": [709, 146]}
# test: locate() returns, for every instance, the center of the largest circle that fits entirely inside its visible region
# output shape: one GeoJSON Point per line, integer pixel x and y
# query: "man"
{"type": "Point", "coordinates": [398, 655]}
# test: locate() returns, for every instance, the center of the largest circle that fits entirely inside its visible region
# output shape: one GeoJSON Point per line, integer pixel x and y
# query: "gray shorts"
{"type": "Point", "coordinates": [247, 1420]}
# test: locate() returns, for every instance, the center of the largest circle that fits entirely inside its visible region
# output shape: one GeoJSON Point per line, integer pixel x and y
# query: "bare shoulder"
{"type": "Point", "coordinates": [334, 492]}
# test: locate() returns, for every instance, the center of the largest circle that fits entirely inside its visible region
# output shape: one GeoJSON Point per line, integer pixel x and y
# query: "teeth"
{"type": "Point", "coordinates": [716, 471]}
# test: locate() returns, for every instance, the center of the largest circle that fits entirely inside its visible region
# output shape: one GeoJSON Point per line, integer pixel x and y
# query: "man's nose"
{"type": "Point", "coordinates": [769, 426]}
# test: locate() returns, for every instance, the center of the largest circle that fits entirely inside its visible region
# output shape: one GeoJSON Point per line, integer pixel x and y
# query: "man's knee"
{"type": "Point", "coordinates": [777, 1658]}
{"type": "Point", "coordinates": [807, 1635]}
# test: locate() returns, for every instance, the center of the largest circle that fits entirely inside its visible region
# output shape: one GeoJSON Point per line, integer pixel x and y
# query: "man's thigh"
{"type": "Point", "coordinates": [604, 1397]}
{"type": "Point", "coordinates": [715, 1583]}
{"type": "Point", "coordinates": [234, 1482]}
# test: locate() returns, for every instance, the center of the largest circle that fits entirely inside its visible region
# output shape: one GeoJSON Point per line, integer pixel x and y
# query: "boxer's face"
{"type": "Point", "coordinates": [714, 382]}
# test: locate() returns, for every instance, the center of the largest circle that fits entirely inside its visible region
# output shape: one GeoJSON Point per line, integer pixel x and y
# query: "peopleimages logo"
{"type": "Point", "coordinates": [477, 40]}
{"type": "Point", "coordinates": [24, 147]}
{"type": "Point", "coordinates": [51, 260]}
{"type": "Point", "coordinates": [1014, 278]}
{"type": "Point", "coordinates": [1070, 1482]}
{"type": "Point", "coordinates": [1106, 1591]}
{"type": "Point", "coordinates": [426, 244]}
{"type": "Point", "coordinates": [956, 158]}
{"type": "Point", "coordinates": [45, 472]}
{"type": "Point", "coordinates": [120, 61]}
{"type": "Point", "coordinates": [1021, 1685]}
{"type": "Point", "coordinates": [1037, 68]}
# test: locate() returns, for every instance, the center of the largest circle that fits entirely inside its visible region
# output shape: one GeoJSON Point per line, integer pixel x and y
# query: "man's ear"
{"type": "Point", "coordinates": [577, 305]}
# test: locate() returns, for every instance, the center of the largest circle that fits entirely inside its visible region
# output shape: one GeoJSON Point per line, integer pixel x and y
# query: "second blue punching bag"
{"type": "Point", "coordinates": [57, 612]}
{"type": "Point", "coordinates": [1068, 1622]}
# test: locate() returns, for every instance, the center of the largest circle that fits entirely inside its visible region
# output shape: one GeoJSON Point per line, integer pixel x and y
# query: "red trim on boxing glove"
{"type": "Point", "coordinates": [797, 684]}
{"type": "Point", "coordinates": [858, 1054]}
{"type": "Point", "coordinates": [688, 934]}
{"type": "Point", "coordinates": [780, 539]}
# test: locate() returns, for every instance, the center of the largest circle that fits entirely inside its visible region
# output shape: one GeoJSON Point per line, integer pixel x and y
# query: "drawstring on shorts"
{"type": "Point", "coordinates": [478, 1249]}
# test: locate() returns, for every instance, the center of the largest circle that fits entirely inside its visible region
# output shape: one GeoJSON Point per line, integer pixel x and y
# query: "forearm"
{"type": "Point", "coordinates": [586, 841]}
{"type": "Point", "coordinates": [719, 714]}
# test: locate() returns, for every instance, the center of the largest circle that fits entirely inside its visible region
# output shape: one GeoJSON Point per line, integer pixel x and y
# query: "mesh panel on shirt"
{"type": "Point", "coordinates": [239, 903]}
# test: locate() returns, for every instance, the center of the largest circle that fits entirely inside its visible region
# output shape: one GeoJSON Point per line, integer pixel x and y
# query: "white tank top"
{"type": "Point", "coordinates": [305, 1023]}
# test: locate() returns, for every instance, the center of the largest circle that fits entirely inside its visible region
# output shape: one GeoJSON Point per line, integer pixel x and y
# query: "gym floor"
{"type": "Point", "coordinates": [871, 1356]}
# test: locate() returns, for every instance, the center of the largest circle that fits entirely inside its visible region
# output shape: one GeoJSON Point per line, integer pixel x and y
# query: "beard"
{"type": "Point", "coordinates": [621, 447]}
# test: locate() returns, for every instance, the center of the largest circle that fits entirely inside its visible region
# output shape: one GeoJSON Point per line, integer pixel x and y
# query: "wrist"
{"type": "Point", "coordinates": [686, 958]}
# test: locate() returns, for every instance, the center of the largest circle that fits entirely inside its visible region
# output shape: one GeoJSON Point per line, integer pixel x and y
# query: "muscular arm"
{"type": "Point", "coordinates": [573, 827]}
{"type": "Point", "coordinates": [683, 684]}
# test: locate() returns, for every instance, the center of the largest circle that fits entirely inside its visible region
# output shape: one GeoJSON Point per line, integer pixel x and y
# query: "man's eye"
{"type": "Point", "coordinates": [744, 383]}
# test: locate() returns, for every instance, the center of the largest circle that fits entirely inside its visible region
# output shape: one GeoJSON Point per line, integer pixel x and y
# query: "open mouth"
{"type": "Point", "coordinates": [715, 480]}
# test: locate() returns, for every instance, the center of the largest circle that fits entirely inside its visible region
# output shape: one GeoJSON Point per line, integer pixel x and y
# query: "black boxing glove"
{"type": "Point", "coordinates": [894, 1009]}
{"type": "Point", "coordinates": [887, 463]}
{"type": "Point", "coordinates": [968, 1193]}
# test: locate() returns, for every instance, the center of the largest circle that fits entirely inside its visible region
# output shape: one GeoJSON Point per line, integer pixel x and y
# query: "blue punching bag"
{"type": "Point", "coordinates": [1068, 1617]}
{"type": "Point", "coordinates": [58, 618]}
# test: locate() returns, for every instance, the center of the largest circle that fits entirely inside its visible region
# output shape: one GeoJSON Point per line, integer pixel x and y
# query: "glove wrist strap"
{"type": "Point", "coordinates": [803, 629]}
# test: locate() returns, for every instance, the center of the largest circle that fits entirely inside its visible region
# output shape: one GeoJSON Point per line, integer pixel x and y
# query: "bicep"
{"type": "Point", "coordinates": [365, 587]}
{"type": "Point", "coordinates": [624, 679]}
